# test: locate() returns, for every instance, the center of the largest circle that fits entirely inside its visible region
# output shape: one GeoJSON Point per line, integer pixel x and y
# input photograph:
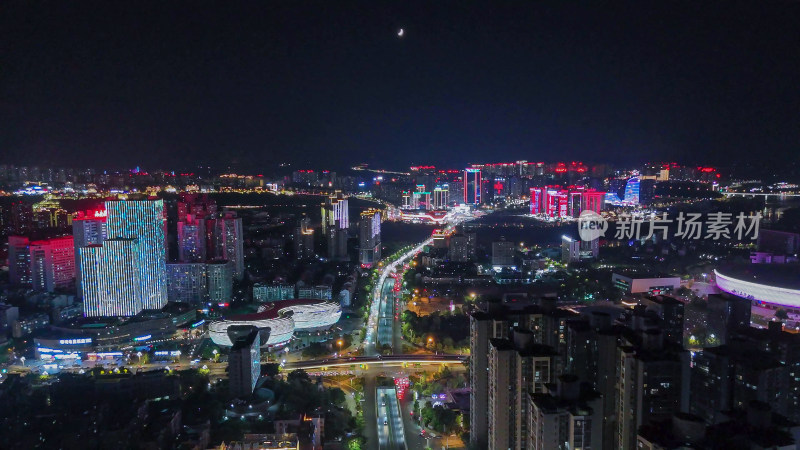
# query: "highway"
{"type": "Point", "coordinates": [390, 424]}
{"type": "Point", "coordinates": [386, 323]}
{"type": "Point", "coordinates": [370, 337]}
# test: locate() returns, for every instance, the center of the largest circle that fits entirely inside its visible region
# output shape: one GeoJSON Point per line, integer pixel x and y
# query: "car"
{"type": "Point", "coordinates": [385, 422]}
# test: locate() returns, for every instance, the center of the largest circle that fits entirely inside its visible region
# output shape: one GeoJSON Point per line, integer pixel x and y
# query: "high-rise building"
{"type": "Point", "coordinates": [441, 196]}
{"type": "Point", "coordinates": [52, 263]}
{"type": "Point", "coordinates": [220, 281]}
{"type": "Point", "coordinates": [335, 225]}
{"type": "Point", "coordinates": [483, 326]}
{"type": "Point", "coordinates": [459, 248]}
{"type": "Point", "coordinates": [727, 313]}
{"type": "Point", "coordinates": [570, 250]}
{"type": "Point", "coordinates": [304, 239]}
{"type": "Point", "coordinates": [244, 363]}
{"type": "Point", "coordinates": [652, 384]}
{"type": "Point", "coordinates": [187, 282]}
{"type": "Point", "coordinates": [199, 206]}
{"type": "Point", "coordinates": [227, 241]}
{"type": "Point", "coordinates": [88, 228]}
{"type": "Point", "coordinates": [112, 278]}
{"type": "Point", "coordinates": [472, 186]}
{"type": "Point", "coordinates": [191, 240]}
{"type": "Point", "coordinates": [369, 237]}
{"type": "Point", "coordinates": [144, 221]}
{"type": "Point", "coordinates": [19, 260]}
{"type": "Point", "coordinates": [570, 416]}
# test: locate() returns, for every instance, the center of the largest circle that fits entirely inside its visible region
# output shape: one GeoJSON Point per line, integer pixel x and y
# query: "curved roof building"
{"type": "Point", "coordinates": [281, 319]}
{"type": "Point", "coordinates": [777, 284]}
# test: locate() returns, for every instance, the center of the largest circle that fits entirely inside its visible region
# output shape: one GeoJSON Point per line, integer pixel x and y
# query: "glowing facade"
{"type": "Point", "coordinates": [52, 263]}
{"type": "Point", "coordinates": [472, 186]}
{"type": "Point", "coordinates": [556, 202]}
{"type": "Point", "coordinates": [144, 221]}
{"type": "Point", "coordinates": [111, 278]}
{"type": "Point", "coordinates": [191, 240]}
{"type": "Point", "coordinates": [88, 228]}
{"type": "Point", "coordinates": [757, 291]}
{"type": "Point", "coordinates": [282, 319]}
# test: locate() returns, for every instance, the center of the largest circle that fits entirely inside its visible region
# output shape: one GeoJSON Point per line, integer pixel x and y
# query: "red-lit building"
{"type": "Point", "coordinates": [560, 203]}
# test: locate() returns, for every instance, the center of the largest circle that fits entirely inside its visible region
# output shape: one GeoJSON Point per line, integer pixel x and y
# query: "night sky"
{"type": "Point", "coordinates": [329, 84]}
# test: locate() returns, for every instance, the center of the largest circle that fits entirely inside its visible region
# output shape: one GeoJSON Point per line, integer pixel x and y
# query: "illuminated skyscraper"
{"type": "Point", "coordinates": [88, 228]}
{"type": "Point", "coordinates": [220, 281]}
{"type": "Point", "coordinates": [472, 186]}
{"type": "Point", "coordinates": [370, 237]}
{"type": "Point", "coordinates": [112, 278]}
{"type": "Point", "coordinates": [441, 196]}
{"type": "Point", "coordinates": [144, 221]}
{"type": "Point", "coordinates": [335, 225]}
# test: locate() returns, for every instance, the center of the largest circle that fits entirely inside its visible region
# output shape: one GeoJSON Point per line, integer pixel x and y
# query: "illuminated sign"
{"type": "Point", "coordinates": [197, 324]}
{"type": "Point", "coordinates": [100, 214]}
{"type": "Point", "coordinates": [75, 341]}
{"type": "Point", "coordinates": [142, 338]}
{"type": "Point", "coordinates": [168, 353]}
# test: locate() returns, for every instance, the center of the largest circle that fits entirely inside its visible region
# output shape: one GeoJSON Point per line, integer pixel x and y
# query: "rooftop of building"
{"type": "Point", "coordinates": [777, 275]}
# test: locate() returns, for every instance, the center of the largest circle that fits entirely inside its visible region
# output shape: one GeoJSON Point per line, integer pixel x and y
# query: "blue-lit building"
{"type": "Point", "coordinates": [127, 272]}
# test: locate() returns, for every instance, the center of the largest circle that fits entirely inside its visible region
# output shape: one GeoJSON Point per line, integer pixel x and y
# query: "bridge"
{"type": "Point", "coordinates": [383, 361]}
{"type": "Point", "coordinates": [760, 194]}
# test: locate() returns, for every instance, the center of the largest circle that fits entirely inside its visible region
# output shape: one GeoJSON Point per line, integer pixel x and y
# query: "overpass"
{"type": "Point", "coordinates": [766, 195]}
{"type": "Point", "coordinates": [388, 360]}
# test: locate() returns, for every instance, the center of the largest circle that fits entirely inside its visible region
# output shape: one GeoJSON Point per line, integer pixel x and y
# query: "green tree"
{"type": "Point", "coordinates": [781, 314]}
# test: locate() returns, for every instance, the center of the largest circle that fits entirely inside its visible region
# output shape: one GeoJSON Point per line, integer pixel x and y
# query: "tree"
{"type": "Point", "coordinates": [781, 314]}
{"type": "Point", "coordinates": [315, 350]}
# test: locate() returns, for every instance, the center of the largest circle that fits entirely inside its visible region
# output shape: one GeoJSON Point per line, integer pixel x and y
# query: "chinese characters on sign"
{"type": "Point", "coordinates": [689, 226]}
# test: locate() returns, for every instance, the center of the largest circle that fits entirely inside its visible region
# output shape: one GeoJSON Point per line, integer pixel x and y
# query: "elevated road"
{"type": "Point", "coordinates": [388, 360]}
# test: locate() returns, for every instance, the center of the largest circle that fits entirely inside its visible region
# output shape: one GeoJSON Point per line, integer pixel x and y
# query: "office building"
{"type": "Point", "coordinates": [227, 241]}
{"type": "Point", "coordinates": [369, 237]}
{"type": "Point", "coordinates": [244, 363]}
{"type": "Point", "coordinates": [88, 228]}
{"type": "Point", "coordinates": [143, 220]}
{"type": "Point", "coordinates": [567, 416]}
{"type": "Point", "coordinates": [52, 263]}
{"type": "Point", "coordinates": [645, 284]}
{"type": "Point", "coordinates": [19, 261]}
{"type": "Point", "coordinates": [112, 278]}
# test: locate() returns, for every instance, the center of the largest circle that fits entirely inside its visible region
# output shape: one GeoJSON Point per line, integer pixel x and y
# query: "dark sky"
{"type": "Point", "coordinates": [329, 83]}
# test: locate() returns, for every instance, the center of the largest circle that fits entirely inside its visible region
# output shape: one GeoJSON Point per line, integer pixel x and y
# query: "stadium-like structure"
{"type": "Point", "coordinates": [281, 319]}
{"type": "Point", "coordinates": [769, 284]}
